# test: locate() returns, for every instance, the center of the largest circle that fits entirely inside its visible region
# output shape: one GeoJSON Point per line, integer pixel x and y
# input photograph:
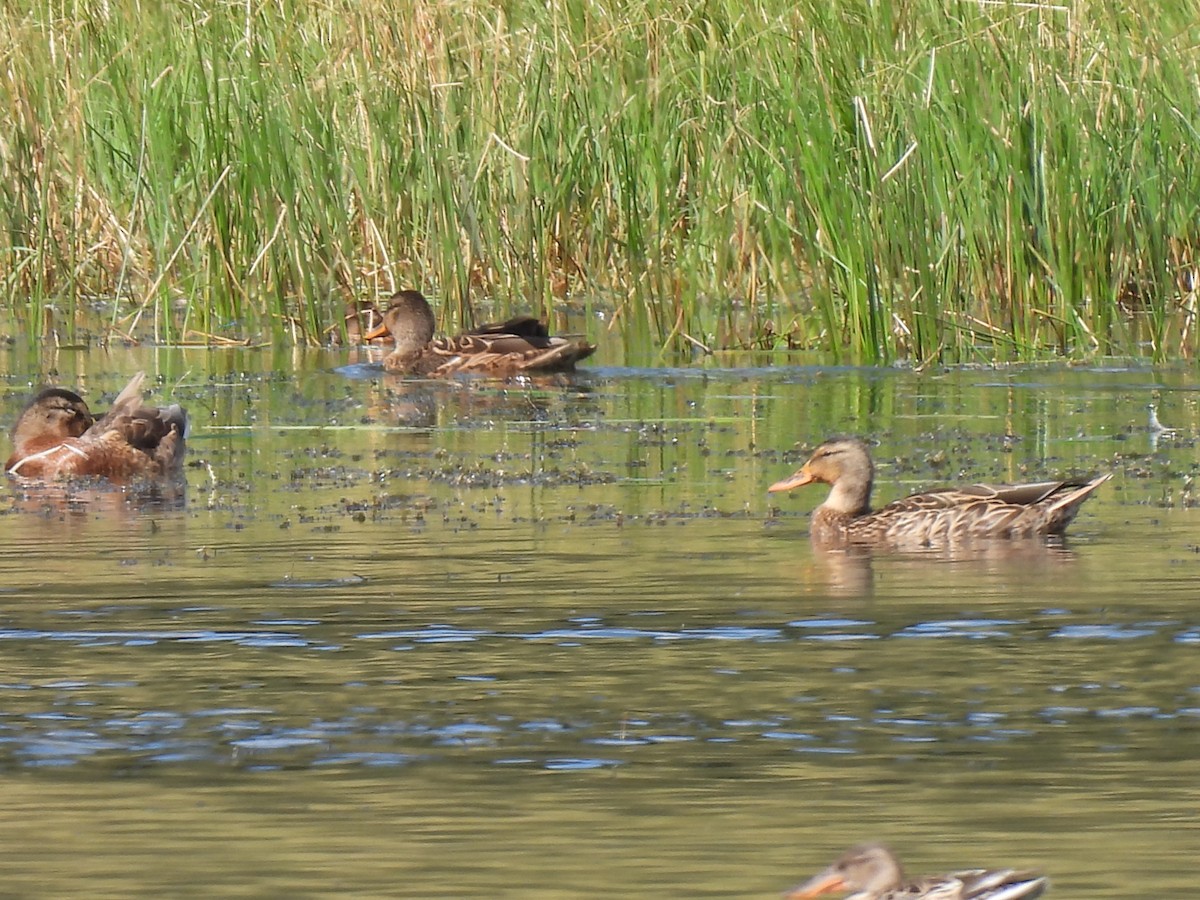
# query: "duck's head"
{"type": "Point", "coordinates": [410, 322]}
{"type": "Point", "coordinates": [54, 415]}
{"type": "Point", "coordinates": [869, 870]}
{"type": "Point", "coordinates": [843, 462]}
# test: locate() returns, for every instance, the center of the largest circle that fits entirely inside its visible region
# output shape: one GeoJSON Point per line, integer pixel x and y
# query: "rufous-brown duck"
{"type": "Point", "coordinates": [56, 436]}
{"type": "Point", "coordinates": [872, 872]}
{"type": "Point", "coordinates": [933, 518]}
{"type": "Point", "coordinates": [522, 345]}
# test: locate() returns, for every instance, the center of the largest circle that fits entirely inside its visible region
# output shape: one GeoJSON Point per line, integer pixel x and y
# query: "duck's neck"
{"type": "Point", "coordinates": [409, 343]}
{"type": "Point", "coordinates": [849, 497]}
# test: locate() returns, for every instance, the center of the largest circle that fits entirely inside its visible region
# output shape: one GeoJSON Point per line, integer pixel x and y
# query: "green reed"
{"type": "Point", "coordinates": [878, 181]}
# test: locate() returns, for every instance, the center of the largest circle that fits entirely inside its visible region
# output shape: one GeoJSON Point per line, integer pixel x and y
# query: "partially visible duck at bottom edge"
{"type": "Point", "coordinates": [872, 872]}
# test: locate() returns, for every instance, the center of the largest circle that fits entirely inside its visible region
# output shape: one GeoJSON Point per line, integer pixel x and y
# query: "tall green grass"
{"type": "Point", "coordinates": [923, 180]}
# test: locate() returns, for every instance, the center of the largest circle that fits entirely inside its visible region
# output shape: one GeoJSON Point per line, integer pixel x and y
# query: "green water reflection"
{"type": "Point", "coordinates": [555, 641]}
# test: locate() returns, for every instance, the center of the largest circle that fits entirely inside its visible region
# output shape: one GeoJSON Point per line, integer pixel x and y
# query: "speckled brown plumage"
{"type": "Point", "coordinates": [933, 518]}
{"type": "Point", "coordinates": [873, 873]}
{"type": "Point", "coordinates": [56, 436]}
{"type": "Point", "coordinates": [522, 345]}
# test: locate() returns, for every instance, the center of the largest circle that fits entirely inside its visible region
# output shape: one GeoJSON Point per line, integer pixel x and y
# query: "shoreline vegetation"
{"type": "Point", "coordinates": [931, 182]}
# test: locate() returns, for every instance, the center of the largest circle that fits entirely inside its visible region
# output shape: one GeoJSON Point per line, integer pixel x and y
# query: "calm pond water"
{"type": "Point", "coordinates": [555, 640]}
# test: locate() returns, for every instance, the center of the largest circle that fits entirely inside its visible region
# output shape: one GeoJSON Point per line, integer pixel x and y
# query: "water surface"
{"type": "Point", "coordinates": [554, 640]}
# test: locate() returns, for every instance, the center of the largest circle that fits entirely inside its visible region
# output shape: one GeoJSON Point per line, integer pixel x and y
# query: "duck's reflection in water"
{"type": "Point", "coordinates": [77, 499]}
{"type": "Point", "coordinates": [845, 572]}
{"type": "Point", "coordinates": [556, 400]}
{"type": "Point", "coordinates": [850, 571]}
{"type": "Point", "coordinates": [412, 404]}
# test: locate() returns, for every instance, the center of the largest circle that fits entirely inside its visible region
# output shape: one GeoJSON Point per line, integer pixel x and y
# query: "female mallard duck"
{"type": "Point", "coordinates": [56, 436]}
{"type": "Point", "coordinates": [873, 873]}
{"type": "Point", "coordinates": [934, 518]}
{"type": "Point", "coordinates": [519, 346]}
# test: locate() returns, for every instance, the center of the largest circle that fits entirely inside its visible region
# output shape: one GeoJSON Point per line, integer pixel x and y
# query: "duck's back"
{"type": "Point", "coordinates": [507, 354]}
{"type": "Point", "coordinates": [973, 884]}
{"type": "Point", "coordinates": [939, 517]}
{"type": "Point", "coordinates": [146, 428]}
{"type": "Point", "coordinates": [523, 326]}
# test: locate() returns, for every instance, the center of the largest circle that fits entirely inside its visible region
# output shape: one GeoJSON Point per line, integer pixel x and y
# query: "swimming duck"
{"type": "Point", "coordinates": [56, 436]}
{"type": "Point", "coordinates": [873, 873]}
{"type": "Point", "coordinates": [934, 518]}
{"type": "Point", "coordinates": [519, 346]}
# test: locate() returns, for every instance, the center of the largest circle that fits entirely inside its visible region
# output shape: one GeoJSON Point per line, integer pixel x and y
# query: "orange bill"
{"type": "Point", "coordinates": [814, 887]}
{"type": "Point", "coordinates": [795, 480]}
{"type": "Point", "coordinates": [379, 331]}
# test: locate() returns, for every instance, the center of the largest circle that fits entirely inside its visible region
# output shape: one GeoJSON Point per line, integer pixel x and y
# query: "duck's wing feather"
{"type": "Point", "coordinates": [135, 438]}
{"type": "Point", "coordinates": [973, 884]}
{"type": "Point", "coordinates": [127, 402]}
{"type": "Point", "coordinates": [522, 326]}
{"type": "Point", "coordinates": [147, 428]}
{"type": "Point", "coordinates": [934, 887]}
{"type": "Point", "coordinates": [978, 511]}
{"type": "Point", "coordinates": [1001, 884]}
{"type": "Point", "coordinates": [508, 354]}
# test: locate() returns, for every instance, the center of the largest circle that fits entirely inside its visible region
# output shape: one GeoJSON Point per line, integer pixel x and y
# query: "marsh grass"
{"type": "Point", "coordinates": [921, 180]}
